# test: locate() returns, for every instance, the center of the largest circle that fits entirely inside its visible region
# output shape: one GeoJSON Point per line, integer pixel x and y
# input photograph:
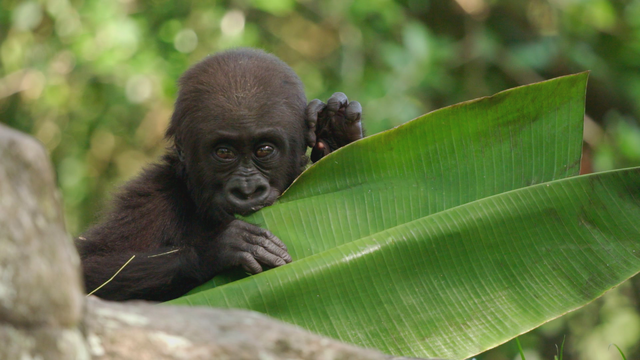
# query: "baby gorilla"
{"type": "Point", "coordinates": [240, 130]}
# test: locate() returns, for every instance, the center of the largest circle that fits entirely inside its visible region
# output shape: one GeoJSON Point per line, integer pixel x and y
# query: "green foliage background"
{"type": "Point", "coordinates": [95, 81]}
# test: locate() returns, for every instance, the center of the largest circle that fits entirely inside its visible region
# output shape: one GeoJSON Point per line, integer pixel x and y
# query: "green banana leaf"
{"type": "Point", "coordinates": [459, 282]}
{"type": "Point", "coordinates": [519, 137]}
{"type": "Point", "coordinates": [388, 256]}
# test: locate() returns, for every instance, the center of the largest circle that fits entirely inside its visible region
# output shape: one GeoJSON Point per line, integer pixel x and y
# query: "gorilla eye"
{"type": "Point", "coordinates": [225, 154]}
{"type": "Point", "coordinates": [264, 150]}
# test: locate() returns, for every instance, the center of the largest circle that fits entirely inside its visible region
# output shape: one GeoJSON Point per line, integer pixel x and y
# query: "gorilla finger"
{"type": "Point", "coordinates": [271, 246]}
{"type": "Point", "coordinates": [310, 138]}
{"type": "Point", "coordinates": [276, 241]}
{"type": "Point", "coordinates": [314, 107]}
{"type": "Point", "coordinates": [251, 228]}
{"type": "Point", "coordinates": [242, 226]}
{"type": "Point", "coordinates": [336, 101]}
{"type": "Point", "coordinates": [265, 257]}
{"type": "Point", "coordinates": [249, 263]}
{"type": "Point", "coordinates": [256, 230]}
{"type": "Point", "coordinates": [354, 111]}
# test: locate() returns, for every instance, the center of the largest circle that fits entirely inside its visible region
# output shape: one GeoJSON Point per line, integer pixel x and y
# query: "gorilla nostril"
{"type": "Point", "coordinates": [249, 192]}
{"type": "Point", "coordinates": [260, 190]}
{"type": "Point", "coordinates": [238, 193]}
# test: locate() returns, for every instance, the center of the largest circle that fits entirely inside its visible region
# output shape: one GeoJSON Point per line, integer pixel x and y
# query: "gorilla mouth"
{"type": "Point", "coordinates": [246, 207]}
{"type": "Point", "coordinates": [254, 209]}
{"type": "Point", "coordinates": [245, 211]}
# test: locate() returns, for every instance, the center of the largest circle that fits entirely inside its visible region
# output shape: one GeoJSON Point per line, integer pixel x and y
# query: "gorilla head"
{"type": "Point", "coordinates": [239, 130]}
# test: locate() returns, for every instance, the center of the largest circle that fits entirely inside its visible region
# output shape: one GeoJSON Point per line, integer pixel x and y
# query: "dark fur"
{"type": "Point", "coordinates": [177, 217]}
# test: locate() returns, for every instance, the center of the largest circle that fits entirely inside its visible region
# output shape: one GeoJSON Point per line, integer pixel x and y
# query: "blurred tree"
{"type": "Point", "coordinates": [95, 81]}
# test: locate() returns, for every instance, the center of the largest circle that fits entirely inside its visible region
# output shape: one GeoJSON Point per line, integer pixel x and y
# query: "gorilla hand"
{"type": "Point", "coordinates": [333, 125]}
{"type": "Point", "coordinates": [249, 246]}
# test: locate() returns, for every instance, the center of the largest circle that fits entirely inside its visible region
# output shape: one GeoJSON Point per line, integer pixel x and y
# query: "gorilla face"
{"type": "Point", "coordinates": [240, 125]}
{"type": "Point", "coordinates": [243, 165]}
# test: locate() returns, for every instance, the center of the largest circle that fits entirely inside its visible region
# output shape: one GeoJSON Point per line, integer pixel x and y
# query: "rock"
{"type": "Point", "coordinates": [41, 297]}
{"type": "Point", "coordinates": [44, 313]}
{"type": "Point", "coordinates": [136, 330]}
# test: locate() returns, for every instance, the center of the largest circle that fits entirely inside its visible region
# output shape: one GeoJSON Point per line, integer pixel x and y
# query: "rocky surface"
{"type": "Point", "coordinates": [41, 299]}
{"type": "Point", "coordinates": [138, 331]}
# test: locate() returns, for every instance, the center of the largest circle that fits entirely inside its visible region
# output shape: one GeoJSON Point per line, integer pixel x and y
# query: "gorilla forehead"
{"type": "Point", "coordinates": [244, 129]}
{"type": "Point", "coordinates": [242, 86]}
{"type": "Point", "coordinates": [242, 77]}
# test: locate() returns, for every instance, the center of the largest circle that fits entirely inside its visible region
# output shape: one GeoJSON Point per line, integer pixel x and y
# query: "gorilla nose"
{"type": "Point", "coordinates": [249, 191]}
{"type": "Point", "coordinates": [247, 194]}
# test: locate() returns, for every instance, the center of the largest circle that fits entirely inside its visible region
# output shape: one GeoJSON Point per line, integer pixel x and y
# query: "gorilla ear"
{"type": "Point", "coordinates": [172, 132]}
